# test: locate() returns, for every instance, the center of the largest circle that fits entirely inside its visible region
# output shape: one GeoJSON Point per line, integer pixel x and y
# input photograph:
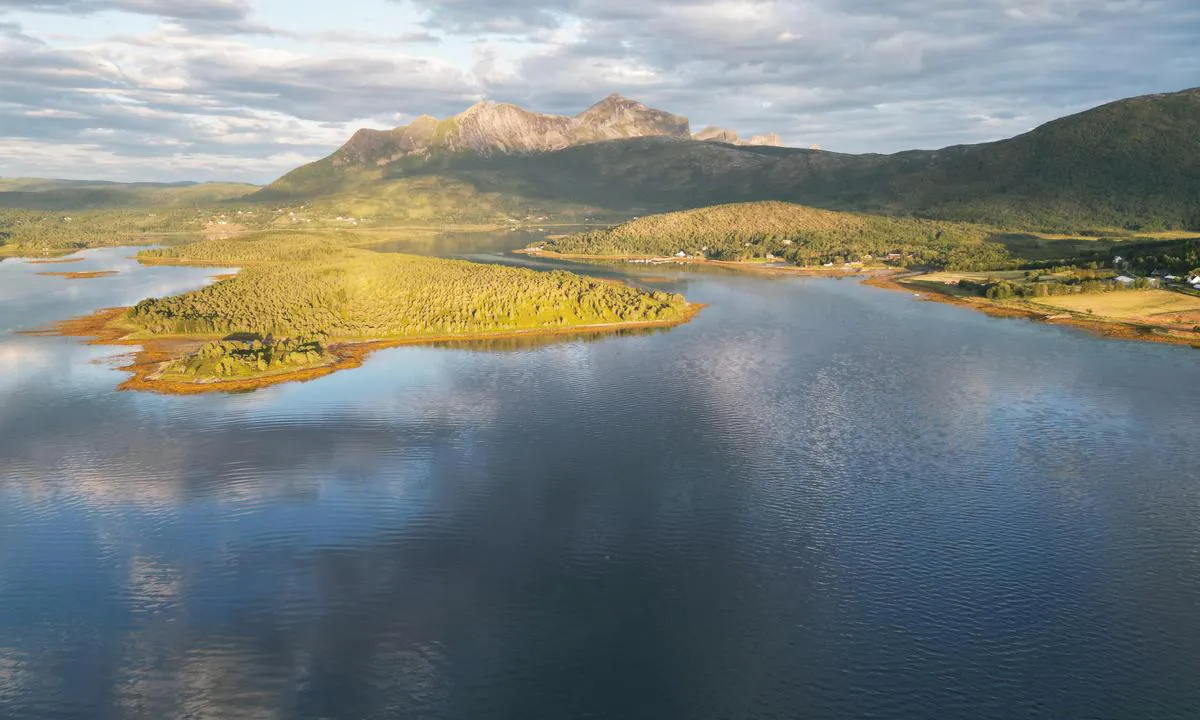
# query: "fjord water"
{"type": "Point", "coordinates": [817, 499]}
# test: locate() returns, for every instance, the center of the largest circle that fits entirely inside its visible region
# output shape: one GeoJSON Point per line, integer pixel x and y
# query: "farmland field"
{"type": "Point", "coordinates": [1130, 304]}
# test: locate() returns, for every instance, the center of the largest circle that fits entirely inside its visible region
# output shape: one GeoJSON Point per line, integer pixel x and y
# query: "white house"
{"type": "Point", "coordinates": [1124, 279]}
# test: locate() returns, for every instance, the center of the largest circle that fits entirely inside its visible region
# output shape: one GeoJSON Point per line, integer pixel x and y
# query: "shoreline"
{"type": "Point", "coordinates": [762, 268]}
{"type": "Point", "coordinates": [54, 261]}
{"type": "Point", "coordinates": [1110, 329]}
{"type": "Point", "coordinates": [103, 327]}
{"type": "Point", "coordinates": [894, 279]}
{"type": "Point", "coordinates": [82, 275]}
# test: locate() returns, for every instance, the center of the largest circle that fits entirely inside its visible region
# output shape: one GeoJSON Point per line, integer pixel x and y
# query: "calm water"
{"type": "Point", "coordinates": [816, 500]}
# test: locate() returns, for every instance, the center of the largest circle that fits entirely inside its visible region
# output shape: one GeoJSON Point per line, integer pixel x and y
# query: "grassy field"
{"type": "Point", "coordinates": [1157, 305]}
{"type": "Point", "coordinates": [1041, 246]}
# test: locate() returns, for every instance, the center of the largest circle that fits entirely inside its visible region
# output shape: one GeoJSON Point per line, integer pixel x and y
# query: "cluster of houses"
{"type": "Point", "coordinates": [1126, 281]}
{"type": "Point", "coordinates": [656, 261]}
{"type": "Point", "coordinates": [892, 257]}
{"type": "Point", "coordinates": [1192, 279]}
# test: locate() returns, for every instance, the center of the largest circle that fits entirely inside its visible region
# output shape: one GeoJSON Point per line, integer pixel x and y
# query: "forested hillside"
{"type": "Point", "coordinates": [321, 288]}
{"type": "Point", "coordinates": [802, 235]}
{"type": "Point", "coordinates": [34, 232]}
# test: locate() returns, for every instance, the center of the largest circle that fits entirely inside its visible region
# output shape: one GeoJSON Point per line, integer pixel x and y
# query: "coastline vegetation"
{"type": "Point", "coordinates": [31, 232]}
{"type": "Point", "coordinates": [803, 236]}
{"type": "Point", "coordinates": [306, 304]}
{"type": "Point", "coordinates": [246, 358]}
{"type": "Point", "coordinates": [952, 262]}
{"type": "Point", "coordinates": [321, 288]}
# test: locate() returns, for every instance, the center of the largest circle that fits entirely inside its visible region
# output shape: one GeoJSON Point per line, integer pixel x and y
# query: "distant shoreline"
{"type": "Point", "coordinates": [898, 279]}
{"type": "Point", "coordinates": [1102, 326]}
{"type": "Point", "coordinates": [84, 275]}
{"type": "Point", "coordinates": [764, 268]}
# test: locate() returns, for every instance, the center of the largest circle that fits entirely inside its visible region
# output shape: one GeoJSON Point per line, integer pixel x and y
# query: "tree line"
{"type": "Point", "coordinates": [323, 289]}
{"type": "Point", "coordinates": [797, 234]}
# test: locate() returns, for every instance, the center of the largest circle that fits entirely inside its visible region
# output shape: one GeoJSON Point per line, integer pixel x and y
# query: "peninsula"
{"type": "Point", "coordinates": [304, 306]}
{"type": "Point", "coordinates": [1142, 288]}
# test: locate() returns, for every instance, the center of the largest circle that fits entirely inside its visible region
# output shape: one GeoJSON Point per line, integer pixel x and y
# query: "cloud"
{"type": "Point", "coordinates": [216, 106]}
{"type": "Point", "coordinates": [218, 81]}
{"type": "Point", "coordinates": [211, 10]}
{"type": "Point", "coordinates": [857, 75]}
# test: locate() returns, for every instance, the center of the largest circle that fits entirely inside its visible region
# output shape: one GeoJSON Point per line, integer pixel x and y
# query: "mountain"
{"type": "Point", "coordinates": [488, 128]}
{"type": "Point", "coordinates": [1132, 163]}
{"type": "Point", "coordinates": [717, 134]}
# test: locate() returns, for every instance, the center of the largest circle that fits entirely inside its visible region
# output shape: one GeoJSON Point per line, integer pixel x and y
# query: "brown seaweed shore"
{"type": "Point", "coordinates": [1111, 328]}
{"type": "Point", "coordinates": [107, 327]}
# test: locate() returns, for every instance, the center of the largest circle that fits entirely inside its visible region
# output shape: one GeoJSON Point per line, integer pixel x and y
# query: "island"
{"type": "Point", "coordinates": [304, 306]}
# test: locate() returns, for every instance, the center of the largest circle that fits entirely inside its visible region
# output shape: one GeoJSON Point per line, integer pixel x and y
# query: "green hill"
{"type": "Point", "coordinates": [82, 195]}
{"type": "Point", "coordinates": [802, 235]}
{"type": "Point", "coordinates": [1134, 163]}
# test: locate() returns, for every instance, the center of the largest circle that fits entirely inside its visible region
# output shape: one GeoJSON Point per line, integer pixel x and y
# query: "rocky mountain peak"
{"type": "Point", "coordinates": [614, 103]}
{"type": "Point", "coordinates": [713, 133]}
{"type": "Point", "coordinates": [771, 139]}
{"type": "Point", "coordinates": [488, 128]}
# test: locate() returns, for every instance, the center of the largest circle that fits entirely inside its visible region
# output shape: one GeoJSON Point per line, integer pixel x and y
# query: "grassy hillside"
{"type": "Point", "coordinates": [310, 287]}
{"type": "Point", "coordinates": [1130, 164]}
{"type": "Point", "coordinates": [450, 189]}
{"type": "Point", "coordinates": [1133, 163]}
{"type": "Point", "coordinates": [72, 195]}
{"type": "Point", "coordinates": [798, 234]}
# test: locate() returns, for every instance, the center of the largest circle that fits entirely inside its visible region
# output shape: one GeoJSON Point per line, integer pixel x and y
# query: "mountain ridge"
{"type": "Point", "coordinates": [1132, 162]}
{"type": "Point", "coordinates": [488, 128]}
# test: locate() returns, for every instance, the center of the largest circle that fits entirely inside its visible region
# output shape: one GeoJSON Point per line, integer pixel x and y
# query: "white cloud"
{"type": "Point", "coordinates": [226, 86]}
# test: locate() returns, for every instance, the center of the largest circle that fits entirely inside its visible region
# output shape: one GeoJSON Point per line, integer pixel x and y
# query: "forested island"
{"type": "Point", "coordinates": [304, 305]}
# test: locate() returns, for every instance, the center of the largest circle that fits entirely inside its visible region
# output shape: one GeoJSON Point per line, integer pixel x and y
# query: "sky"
{"type": "Point", "coordinates": [246, 90]}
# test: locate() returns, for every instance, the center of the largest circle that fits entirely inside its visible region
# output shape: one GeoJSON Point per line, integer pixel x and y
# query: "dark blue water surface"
{"type": "Point", "coordinates": [816, 500]}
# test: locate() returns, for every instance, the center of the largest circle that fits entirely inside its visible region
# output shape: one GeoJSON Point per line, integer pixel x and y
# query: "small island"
{"type": "Point", "coordinates": [306, 306]}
